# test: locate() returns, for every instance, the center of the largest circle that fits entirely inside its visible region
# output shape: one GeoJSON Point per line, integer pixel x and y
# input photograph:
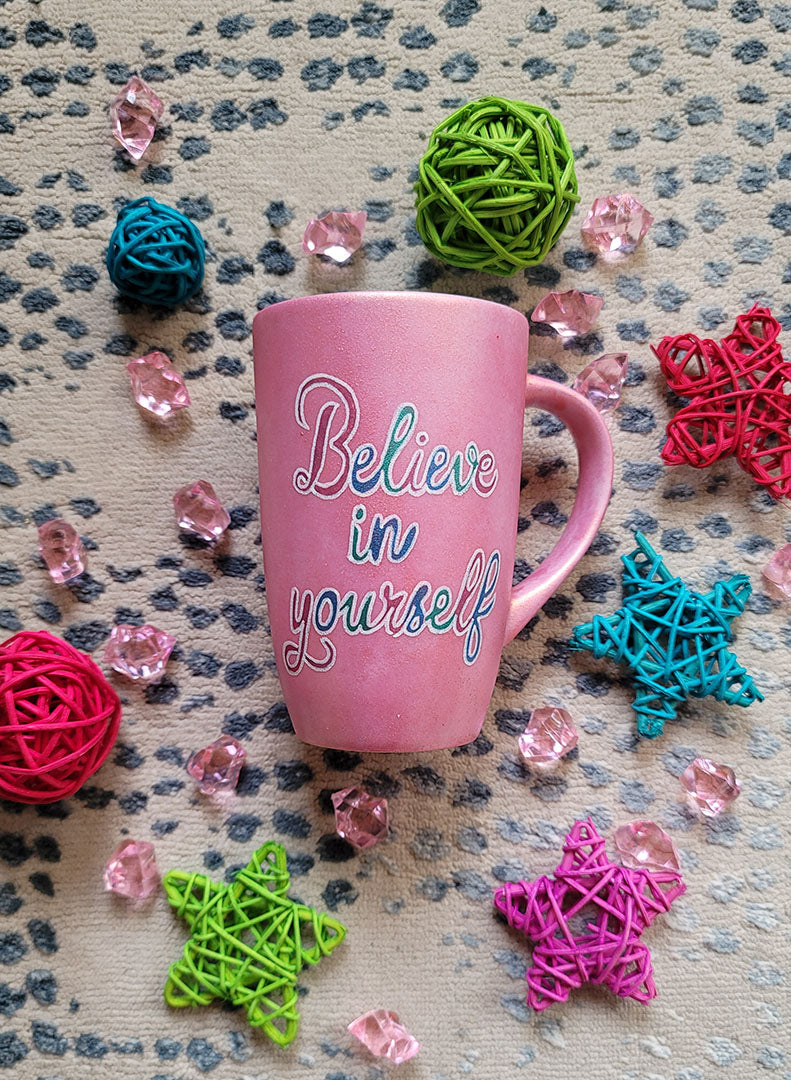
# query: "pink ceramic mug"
{"type": "Point", "coordinates": [390, 450]}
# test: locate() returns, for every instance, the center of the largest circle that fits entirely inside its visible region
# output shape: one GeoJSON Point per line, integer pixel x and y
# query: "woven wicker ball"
{"type": "Point", "coordinates": [59, 718]}
{"type": "Point", "coordinates": [496, 186]}
{"type": "Point", "coordinates": [156, 254]}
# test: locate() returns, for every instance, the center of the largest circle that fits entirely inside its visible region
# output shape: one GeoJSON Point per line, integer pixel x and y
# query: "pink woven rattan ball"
{"type": "Point", "coordinates": [59, 718]}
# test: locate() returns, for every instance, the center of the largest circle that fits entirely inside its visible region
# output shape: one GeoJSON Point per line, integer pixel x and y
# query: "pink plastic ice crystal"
{"type": "Point", "coordinates": [131, 870]}
{"type": "Point", "coordinates": [337, 234]}
{"type": "Point", "coordinates": [616, 224]}
{"type": "Point", "coordinates": [550, 734]}
{"type": "Point", "coordinates": [199, 511]}
{"type": "Point", "coordinates": [61, 549]}
{"type": "Point", "coordinates": [570, 313]}
{"type": "Point", "coordinates": [710, 787]}
{"type": "Point", "coordinates": [156, 385]}
{"type": "Point", "coordinates": [217, 766]}
{"type": "Point", "coordinates": [384, 1035]}
{"type": "Point", "coordinates": [644, 846]}
{"type": "Point", "coordinates": [360, 818]}
{"type": "Point", "coordinates": [602, 380]}
{"type": "Point", "coordinates": [777, 573]}
{"type": "Point", "coordinates": [139, 652]}
{"type": "Point", "coordinates": [135, 112]}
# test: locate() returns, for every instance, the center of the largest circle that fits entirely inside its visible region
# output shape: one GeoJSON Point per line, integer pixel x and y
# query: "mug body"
{"type": "Point", "coordinates": [390, 447]}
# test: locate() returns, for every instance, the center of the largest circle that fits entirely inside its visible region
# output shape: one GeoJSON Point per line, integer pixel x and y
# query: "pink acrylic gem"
{"type": "Point", "coordinates": [642, 845]}
{"type": "Point", "coordinates": [710, 787]}
{"type": "Point", "coordinates": [156, 385]}
{"type": "Point", "coordinates": [139, 652]}
{"type": "Point", "coordinates": [381, 1032]}
{"type": "Point", "coordinates": [616, 224]}
{"type": "Point", "coordinates": [777, 574]}
{"type": "Point", "coordinates": [61, 549]}
{"type": "Point", "coordinates": [570, 313]}
{"type": "Point", "coordinates": [602, 380]}
{"type": "Point", "coordinates": [360, 818]}
{"type": "Point", "coordinates": [337, 235]}
{"type": "Point", "coordinates": [199, 511]}
{"type": "Point", "coordinates": [549, 735]}
{"type": "Point", "coordinates": [217, 766]}
{"type": "Point", "coordinates": [132, 870]}
{"type": "Point", "coordinates": [135, 112]}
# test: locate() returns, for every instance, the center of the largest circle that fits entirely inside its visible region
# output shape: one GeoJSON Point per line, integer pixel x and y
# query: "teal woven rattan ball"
{"type": "Point", "coordinates": [156, 254]}
{"type": "Point", "coordinates": [496, 186]}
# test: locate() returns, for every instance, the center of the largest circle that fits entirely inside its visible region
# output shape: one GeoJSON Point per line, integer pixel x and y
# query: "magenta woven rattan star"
{"type": "Point", "coordinates": [585, 923]}
{"type": "Point", "coordinates": [739, 403]}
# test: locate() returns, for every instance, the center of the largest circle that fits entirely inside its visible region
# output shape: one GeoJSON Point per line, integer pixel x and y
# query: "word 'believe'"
{"type": "Point", "coordinates": [334, 466]}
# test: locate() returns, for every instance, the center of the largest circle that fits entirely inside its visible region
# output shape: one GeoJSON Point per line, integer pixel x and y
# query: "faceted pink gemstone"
{"type": "Point", "coordinates": [360, 818]}
{"type": "Point", "coordinates": [132, 870]}
{"type": "Point", "coordinates": [710, 787]}
{"type": "Point", "coordinates": [616, 224]}
{"type": "Point", "coordinates": [570, 313]}
{"type": "Point", "coordinates": [199, 511]}
{"type": "Point", "coordinates": [217, 766]}
{"type": "Point", "coordinates": [337, 235]}
{"type": "Point", "coordinates": [602, 380]}
{"type": "Point", "coordinates": [381, 1032]}
{"type": "Point", "coordinates": [549, 735]}
{"type": "Point", "coordinates": [777, 574]}
{"type": "Point", "coordinates": [61, 549]}
{"type": "Point", "coordinates": [642, 845]}
{"type": "Point", "coordinates": [135, 112]}
{"type": "Point", "coordinates": [156, 384]}
{"type": "Point", "coordinates": [139, 652]}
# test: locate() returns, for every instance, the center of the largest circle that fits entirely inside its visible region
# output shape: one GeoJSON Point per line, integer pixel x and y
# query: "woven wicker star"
{"type": "Point", "coordinates": [249, 942]}
{"type": "Point", "coordinates": [674, 640]}
{"type": "Point", "coordinates": [585, 923]}
{"type": "Point", "coordinates": [739, 403]}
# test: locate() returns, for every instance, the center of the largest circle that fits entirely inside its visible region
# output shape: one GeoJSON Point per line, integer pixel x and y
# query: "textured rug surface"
{"type": "Point", "coordinates": [274, 112]}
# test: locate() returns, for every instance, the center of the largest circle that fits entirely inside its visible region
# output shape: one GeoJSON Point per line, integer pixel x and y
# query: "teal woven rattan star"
{"type": "Point", "coordinates": [674, 640]}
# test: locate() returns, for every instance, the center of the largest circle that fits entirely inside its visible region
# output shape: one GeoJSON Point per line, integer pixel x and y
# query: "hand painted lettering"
{"type": "Point", "coordinates": [386, 536]}
{"type": "Point", "coordinates": [403, 465]}
{"type": "Point", "coordinates": [316, 615]}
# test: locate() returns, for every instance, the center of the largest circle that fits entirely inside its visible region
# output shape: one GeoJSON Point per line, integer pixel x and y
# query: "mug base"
{"type": "Point", "coordinates": [382, 741]}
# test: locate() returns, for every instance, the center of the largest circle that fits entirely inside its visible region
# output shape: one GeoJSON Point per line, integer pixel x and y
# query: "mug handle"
{"type": "Point", "coordinates": [594, 487]}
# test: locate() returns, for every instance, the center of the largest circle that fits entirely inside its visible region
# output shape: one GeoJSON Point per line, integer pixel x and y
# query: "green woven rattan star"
{"type": "Point", "coordinates": [249, 942]}
{"type": "Point", "coordinates": [674, 640]}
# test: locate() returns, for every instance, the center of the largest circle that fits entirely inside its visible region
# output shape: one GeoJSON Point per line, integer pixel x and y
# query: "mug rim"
{"type": "Point", "coordinates": [367, 296]}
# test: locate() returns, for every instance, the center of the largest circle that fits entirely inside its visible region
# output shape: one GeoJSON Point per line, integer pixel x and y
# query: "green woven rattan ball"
{"type": "Point", "coordinates": [495, 186]}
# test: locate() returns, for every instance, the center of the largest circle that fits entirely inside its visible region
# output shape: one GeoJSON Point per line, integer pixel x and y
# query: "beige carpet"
{"type": "Point", "coordinates": [274, 113]}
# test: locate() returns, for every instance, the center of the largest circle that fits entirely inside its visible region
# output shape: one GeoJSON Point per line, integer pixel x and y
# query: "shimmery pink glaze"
{"type": "Point", "coordinates": [463, 363]}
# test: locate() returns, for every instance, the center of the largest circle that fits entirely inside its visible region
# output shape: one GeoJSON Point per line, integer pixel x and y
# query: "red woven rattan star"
{"type": "Point", "coordinates": [740, 403]}
{"type": "Point", "coordinates": [586, 922]}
